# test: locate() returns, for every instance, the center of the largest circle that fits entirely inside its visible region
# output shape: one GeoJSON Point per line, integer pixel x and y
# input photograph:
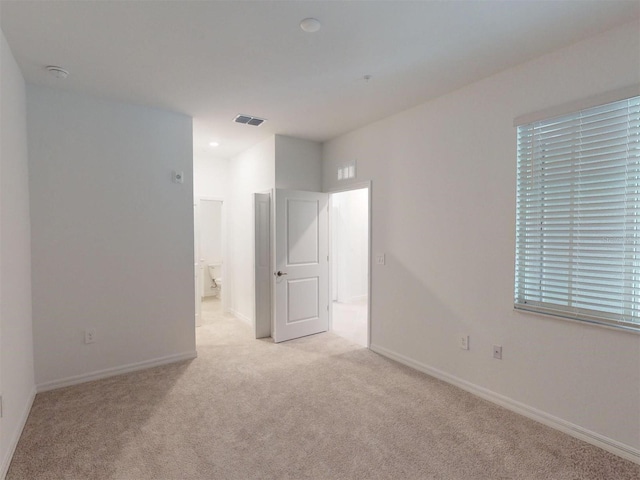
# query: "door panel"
{"type": "Point", "coordinates": [301, 251]}
{"type": "Point", "coordinates": [305, 292]}
{"type": "Point", "coordinates": [302, 231]}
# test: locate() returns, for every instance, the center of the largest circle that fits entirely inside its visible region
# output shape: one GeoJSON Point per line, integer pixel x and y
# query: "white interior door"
{"type": "Point", "coordinates": [301, 279]}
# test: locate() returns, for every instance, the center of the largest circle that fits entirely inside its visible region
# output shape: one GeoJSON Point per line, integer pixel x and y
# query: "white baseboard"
{"type": "Point", "coordinates": [110, 372]}
{"type": "Point", "coordinates": [13, 441]}
{"type": "Point", "coordinates": [240, 316]}
{"type": "Point", "coordinates": [608, 444]}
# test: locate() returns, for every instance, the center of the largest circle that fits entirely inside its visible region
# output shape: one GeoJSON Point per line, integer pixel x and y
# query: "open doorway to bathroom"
{"type": "Point", "coordinates": [350, 265]}
{"type": "Point", "coordinates": [209, 248]}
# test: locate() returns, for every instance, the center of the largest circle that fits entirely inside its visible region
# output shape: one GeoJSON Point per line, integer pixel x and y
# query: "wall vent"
{"type": "Point", "coordinates": [249, 120]}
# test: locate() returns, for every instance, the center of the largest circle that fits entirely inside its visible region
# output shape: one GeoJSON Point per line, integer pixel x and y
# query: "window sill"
{"type": "Point", "coordinates": [589, 323]}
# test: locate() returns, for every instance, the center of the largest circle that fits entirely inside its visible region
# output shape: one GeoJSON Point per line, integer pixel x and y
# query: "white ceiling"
{"type": "Point", "coordinates": [214, 59]}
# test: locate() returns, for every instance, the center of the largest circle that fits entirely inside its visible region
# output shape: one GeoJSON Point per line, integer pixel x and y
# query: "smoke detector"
{"type": "Point", "coordinates": [310, 25]}
{"type": "Point", "coordinates": [249, 120]}
{"type": "Point", "coordinates": [57, 72]}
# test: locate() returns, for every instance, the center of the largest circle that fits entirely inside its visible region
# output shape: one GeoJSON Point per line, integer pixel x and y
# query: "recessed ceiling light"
{"type": "Point", "coordinates": [310, 25]}
{"type": "Point", "coordinates": [214, 144]}
{"type": "Point", "coordinates": [57, 72]}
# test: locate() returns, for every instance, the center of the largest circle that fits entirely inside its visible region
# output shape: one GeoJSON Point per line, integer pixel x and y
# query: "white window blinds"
{"type": "Point", "coordinates": [578, 215]}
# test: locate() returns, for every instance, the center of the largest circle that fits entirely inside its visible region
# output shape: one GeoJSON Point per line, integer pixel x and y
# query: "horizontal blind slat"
{"type": "Point", "coordinates": [578, 215]}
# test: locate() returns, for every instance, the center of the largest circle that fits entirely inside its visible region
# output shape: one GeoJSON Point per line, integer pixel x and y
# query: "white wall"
{"type": "Point", "coordinates": [210, 176]}
{"type": "Point", "coordinates": [350, 242]}
{"type": "Point", "coordinates": [279, 161]}
{"type": "Point", "coordinates": [298, 164]}
{"type": "Point", "coordinates": [16, 343]}
{"type": "Point", "coordinates": [253, 171]}
{"type": "Point", "coordinates": [211, 233]}
{"type": "Point", "coordinates": [443, 183]}
{"type": "Point", "coordinates": [107, 218]}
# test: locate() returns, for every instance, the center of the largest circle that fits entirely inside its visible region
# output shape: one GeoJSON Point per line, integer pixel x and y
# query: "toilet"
{"type": "Point", "coordinates": [215, 278]}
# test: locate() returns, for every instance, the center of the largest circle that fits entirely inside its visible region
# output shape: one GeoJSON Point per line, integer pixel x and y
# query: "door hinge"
{"type": "Point", "coordinates": [0, 406]}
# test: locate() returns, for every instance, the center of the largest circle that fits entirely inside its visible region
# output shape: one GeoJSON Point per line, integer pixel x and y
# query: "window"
{"type": "Point", "coordinates": [578, 215]}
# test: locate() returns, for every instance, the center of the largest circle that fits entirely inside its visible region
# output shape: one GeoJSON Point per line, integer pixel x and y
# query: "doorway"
{"type": "Point", "coordinates": [349, 289]}
{"type": "Point", "coordinates": [209, 236]}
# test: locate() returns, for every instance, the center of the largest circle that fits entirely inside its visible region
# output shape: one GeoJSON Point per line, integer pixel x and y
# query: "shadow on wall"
{"type": "Point", "coordinates": [424, 314]}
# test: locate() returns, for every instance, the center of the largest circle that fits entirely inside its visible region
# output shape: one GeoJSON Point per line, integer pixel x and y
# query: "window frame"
{"type": "Point", "coordinates": [567, 311]}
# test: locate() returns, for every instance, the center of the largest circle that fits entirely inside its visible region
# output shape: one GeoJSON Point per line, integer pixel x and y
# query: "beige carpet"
{"type": "Point", "coordinates": [315, 408]}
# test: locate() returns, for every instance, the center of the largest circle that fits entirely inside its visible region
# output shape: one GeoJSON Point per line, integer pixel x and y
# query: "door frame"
{"type": "Point", "coordinates": [223, 235]}
{"type": "Point", "coordinates": [352, 186]}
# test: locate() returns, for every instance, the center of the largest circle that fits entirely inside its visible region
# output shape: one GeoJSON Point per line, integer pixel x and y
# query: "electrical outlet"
{"type": "Point", "coordinates": [497, 352]}
{"type": "Point", "coordinates": [90, 335]}
{"type": "Point", "coordinates": [464, 342]}
{"type": "Point", "coordinates": [380, 260]}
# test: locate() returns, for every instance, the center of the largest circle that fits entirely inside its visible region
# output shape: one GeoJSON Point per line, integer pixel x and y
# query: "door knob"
{"type": "Point", "coordinates": [279, 273]}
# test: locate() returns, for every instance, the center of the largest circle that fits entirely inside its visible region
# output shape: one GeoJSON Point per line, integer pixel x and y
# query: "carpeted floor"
{"type": "Point", "coordinates": [315, 408]}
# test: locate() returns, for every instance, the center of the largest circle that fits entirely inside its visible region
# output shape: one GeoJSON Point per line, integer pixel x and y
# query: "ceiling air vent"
{"type": "Point", "coordinates": [249, 120]}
